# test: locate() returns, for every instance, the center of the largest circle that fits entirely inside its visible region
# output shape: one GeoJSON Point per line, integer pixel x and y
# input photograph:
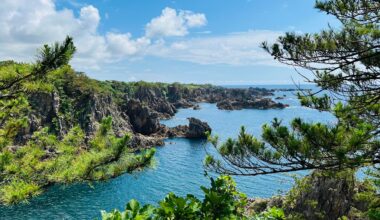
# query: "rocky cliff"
{"type": "Point", "coordinates": [136, 107]}
{"type": "Point", "coordinates": [323, 195]}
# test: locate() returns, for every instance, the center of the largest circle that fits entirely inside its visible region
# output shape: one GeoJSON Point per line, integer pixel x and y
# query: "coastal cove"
{"type": "Point", "coordinates": [178, 167]}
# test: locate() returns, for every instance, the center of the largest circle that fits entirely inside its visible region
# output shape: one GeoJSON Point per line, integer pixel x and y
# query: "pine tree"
{"type": "Point", "coordinates": [18, 80]}
{"type": "Point", "coordinates": [345, 63]}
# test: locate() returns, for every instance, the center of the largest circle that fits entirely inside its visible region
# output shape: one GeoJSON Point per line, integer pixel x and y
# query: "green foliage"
{"type": "Point", "coordinates": [12, 119]}
{"type": "Point", "coordinates": [174, 207]}
{"type": "Point", "coordinates": [133, 211]}
{"type": "Point", "coordinates": [221, 201]}
{"type": "Point", "coordinates": [120, 90]}
{"type": "Point", "coordinates": [28, 165]}
{"type": "Point", "coordinates": [45, 160]}
{"type": "Point", "coordinates": [18, 191]}
{"type": "Point", "coordinates": [370, 194]}
{"type": "Point", "coordinates": [302, 146]}
{"type": "Point", "coordinates": [271, 214]}
{"type": "Point", "coordinates": [55, 56]}
{"type": "Point", "coordinates": [345, 63]}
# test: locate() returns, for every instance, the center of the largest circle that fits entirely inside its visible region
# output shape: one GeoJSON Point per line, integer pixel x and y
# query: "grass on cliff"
{"type": "Point", "coordinates": [45, 160]}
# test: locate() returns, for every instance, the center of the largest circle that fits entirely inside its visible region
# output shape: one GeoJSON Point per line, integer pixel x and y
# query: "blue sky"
{"type": "Point", "coordinates": [200, 41]}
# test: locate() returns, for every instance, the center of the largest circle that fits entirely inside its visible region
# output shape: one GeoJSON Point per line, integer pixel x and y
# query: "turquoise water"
{"type": "Point", "coordinates": [178, 168]}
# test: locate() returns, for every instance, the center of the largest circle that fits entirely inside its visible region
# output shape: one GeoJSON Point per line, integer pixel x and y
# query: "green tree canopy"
{"type": "Point", "coordinates": [345, 63]}
{"type": "Point", "coordinates": [42, 158]}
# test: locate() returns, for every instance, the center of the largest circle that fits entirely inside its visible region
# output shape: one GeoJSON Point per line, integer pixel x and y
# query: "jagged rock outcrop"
{"type": "Point", "coordinates": [174, 93]}
{"type": "Point", "coordinates": [144, 141]}
{"type": "Point", "coordinates": [253, 103]}
{"type": "Point", "coordinates": [331, 196]}
{"type": "Point", "coordinates": [195, 129]}
{"type": "Point", "coordinates": [134, 108]}
{"type": "Point", "coordinates": [99, 107]}
{"type": "Point", "coordinates": [196, 107]}
{"type": "Point", "coordinates": [87, 112]}
{"type": "Point", "coordinates": [226, 98]}
{"type": "Point", "coordinates": [144, 121]}
{"type": "Point", "coordinates": [320, 196]}
{"type": "Point", "coordinates": [156, 100]}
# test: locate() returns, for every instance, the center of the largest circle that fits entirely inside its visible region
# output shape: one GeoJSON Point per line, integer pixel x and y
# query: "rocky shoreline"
{"type": "Point", "coordinates": [139, 112]}
{"type": "Point", "coordinates": [149, 105]}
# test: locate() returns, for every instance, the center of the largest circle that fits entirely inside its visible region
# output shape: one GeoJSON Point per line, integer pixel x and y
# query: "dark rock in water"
{"type": "Point", "coordinates": [177, 131]}
{"type": "Point", "coordinates": [279, 97]}
{"type": "Point", "coordinates": [197, 128]}
{"type": "Point", "coordinates": [144, 121]}
{"type": "Point", "coordinates": [182, 103]}
{"type": "Point", "coordinates": [227, 105]}
{"type": "Point", "coordinates": [134, 108]}
{"type": "Point", "coordinates": [253, 103]}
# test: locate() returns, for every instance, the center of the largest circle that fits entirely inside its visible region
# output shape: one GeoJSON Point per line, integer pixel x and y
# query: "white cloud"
{"type": "Point", "coordinates": [25, 27]}
{"type": "Point", "coordinates": [234, 49]}
{"type": "Point", "coordinates": [171, 23]}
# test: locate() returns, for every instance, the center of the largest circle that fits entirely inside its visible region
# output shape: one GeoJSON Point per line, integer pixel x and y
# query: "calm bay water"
{"type": "Point", "coordinates": [178, 168]}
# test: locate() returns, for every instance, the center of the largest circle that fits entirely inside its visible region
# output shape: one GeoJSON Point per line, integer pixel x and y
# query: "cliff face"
{"type": "Point", "coordinates": [327, 196]}
{"type": "Point", "coordinates": [136, 108]}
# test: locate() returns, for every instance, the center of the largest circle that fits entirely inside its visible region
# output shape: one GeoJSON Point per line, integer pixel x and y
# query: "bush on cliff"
{"type": "Point", "coordinates": [33, 157]}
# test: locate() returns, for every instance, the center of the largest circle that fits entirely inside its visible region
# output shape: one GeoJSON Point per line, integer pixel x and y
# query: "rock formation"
{"type": "Point", "coordinates": [197, 128]}
{"type": "Point", "coordinates": [320, 196]}
{"type": "Point", "coordinates": [144, 121]}
{"type": "Point", "coordinates": [253, 103]}
{"type": "Point", "coordinates": [135, 108]}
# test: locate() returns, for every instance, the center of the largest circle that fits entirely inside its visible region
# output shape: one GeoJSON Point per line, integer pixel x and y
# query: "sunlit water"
{"type": "Point", "coordinates": [178, 168]}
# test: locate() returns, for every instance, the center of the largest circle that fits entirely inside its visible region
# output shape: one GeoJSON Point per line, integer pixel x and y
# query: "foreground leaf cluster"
{"type": "Point", "coordinates": [221, 201]}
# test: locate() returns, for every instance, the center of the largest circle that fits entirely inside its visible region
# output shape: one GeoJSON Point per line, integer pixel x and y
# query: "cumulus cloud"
{"type": "Point", "coordinates": [234, 49]}
{"type": "Point", "coordinates": [171, 23]}
{"type": "Point", "coordinates": [26, 26]}
{"type": "Point", "coordinates": [123, 45]}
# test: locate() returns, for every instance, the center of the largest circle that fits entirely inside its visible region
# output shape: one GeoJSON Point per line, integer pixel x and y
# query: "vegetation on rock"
{"type": "Point", "coordinates": [345, 63]}
{"type": "Point", "coordinates": [49, 156]}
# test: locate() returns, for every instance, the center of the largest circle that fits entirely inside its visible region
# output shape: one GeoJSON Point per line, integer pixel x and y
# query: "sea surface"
{"type": "Point", "coordinates": [178, 167]}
